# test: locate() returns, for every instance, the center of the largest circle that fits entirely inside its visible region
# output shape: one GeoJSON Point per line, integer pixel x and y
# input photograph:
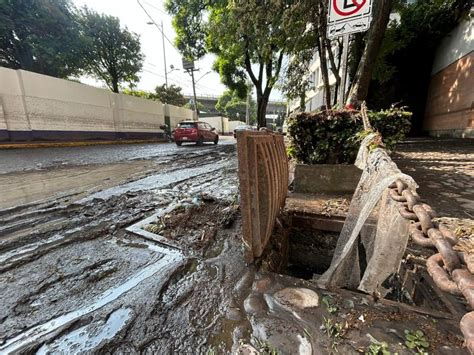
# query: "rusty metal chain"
{"type": "Point", "coordinates": [450, 270]}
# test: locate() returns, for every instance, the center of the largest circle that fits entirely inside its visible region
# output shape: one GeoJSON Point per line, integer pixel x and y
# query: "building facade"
{"type": "Point", "coordinates": [450, 103]}
{"type": "Point", "coordinates": [315, 94]}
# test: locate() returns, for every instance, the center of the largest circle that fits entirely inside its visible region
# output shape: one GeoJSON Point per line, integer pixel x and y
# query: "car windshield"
{"type": "Point", "coordinates": [243, 127]}
{"type": "Point", "coordinates": [187, 125]}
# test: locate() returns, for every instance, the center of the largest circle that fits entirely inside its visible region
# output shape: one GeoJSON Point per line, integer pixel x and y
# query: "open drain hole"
{"type": "Point", "coordinates": [311, 241]}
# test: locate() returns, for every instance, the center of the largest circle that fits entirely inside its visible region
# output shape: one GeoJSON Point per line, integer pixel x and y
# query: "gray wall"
{"type": "Point", "coordinates": [35, 106]}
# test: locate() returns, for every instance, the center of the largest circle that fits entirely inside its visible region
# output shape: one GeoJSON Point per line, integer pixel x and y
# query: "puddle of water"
{"type": "Point", "coordinates": [88, 337]}
{"type": "Point", "coordinates": [165, 264]}
{"type": "Point", "coordinates": [160, 180]}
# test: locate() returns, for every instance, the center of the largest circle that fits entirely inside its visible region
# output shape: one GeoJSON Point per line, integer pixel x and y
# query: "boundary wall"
{"type": "Point", "coordinates": [39, 107]}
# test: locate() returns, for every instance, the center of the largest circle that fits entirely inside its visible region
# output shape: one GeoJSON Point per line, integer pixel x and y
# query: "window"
{"type": "Point", "coordinates": [187, 125]}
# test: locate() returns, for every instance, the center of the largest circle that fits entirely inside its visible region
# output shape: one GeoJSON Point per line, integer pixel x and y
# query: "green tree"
{"type": "Point", "coordinates": [190, 105]}
{"type": "Point", "coordinates": [232, 106]}
{"type": "Point", "coordinates": [40, 36]}
{"type": "Point", "coordinates": [360, 84]}
{"type": "Point", "coordinates": [113, 53]}
{"type": "Point", "coordinates": [167, 95]}
{"type": "Point", "coordinates": [313, 41]}
{"type": "Point", "coordinates": [139, 93]}
{"type": "Point", "coordinates": [249, 37]}
{"type": "Point", "coordinates": [170, 95]}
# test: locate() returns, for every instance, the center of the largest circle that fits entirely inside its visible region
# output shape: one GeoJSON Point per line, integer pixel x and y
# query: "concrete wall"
{"type": "Point", "coordinates": [450, 103]}
{"type": "Point", "coordinates": [13, 115]}
{"type": "Point", "coordinates": [220, 123]}
{"type": "Point", "coordinates": [456, 45]}
{"type": "Point", "coordinates": [178, 114]}
{"type": "Point", "coordinates": [35, 106]}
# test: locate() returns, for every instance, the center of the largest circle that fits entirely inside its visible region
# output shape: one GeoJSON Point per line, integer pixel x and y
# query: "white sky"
{"type": "Point", "coordinates": [131, 15]}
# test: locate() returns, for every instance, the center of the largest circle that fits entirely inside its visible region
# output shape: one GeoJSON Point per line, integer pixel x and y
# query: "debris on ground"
{"type": "Point", "coordinates": [338, 206]}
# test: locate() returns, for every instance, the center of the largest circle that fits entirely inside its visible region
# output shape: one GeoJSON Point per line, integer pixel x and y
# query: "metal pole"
{"type": "Point", "coordinates": [194, 93]}
{"type": "Point", "coordinates": [247, 109]}
{"type": "Point", "coordinates": [342, 87]}
{"type": "Point", "coordinates": [164, 53]}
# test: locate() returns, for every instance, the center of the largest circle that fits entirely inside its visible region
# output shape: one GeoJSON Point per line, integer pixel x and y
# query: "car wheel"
{"type": "Point", "coordinates": [216, 140]}
{"type": "Point", "coordinates": [200, 141]}
{"type": "Point", "coordinates": [179, 144]}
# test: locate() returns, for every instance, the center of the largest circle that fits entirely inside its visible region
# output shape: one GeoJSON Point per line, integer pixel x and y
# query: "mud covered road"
{"type": "Point", "coordinates": [72, 279]}
{"type": "Point", "coordinates": [83, 267]}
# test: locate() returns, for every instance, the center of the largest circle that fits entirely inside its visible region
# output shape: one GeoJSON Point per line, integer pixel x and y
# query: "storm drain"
{"type": "Point", "coordinates": [310, 244]}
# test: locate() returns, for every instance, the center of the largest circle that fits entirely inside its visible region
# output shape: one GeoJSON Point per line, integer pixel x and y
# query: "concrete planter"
{"type": "Point", "coordinates": [326, 178]}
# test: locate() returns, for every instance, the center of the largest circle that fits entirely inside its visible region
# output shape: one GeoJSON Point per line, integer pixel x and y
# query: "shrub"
{"type": "Point", "coordinates": [333, 137]}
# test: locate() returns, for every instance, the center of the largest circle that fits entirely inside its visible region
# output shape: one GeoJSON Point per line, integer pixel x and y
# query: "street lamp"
{"type": "Point", "coordinates": [164, 49]}
{"type": "Point", "coordinates": [202, 76]}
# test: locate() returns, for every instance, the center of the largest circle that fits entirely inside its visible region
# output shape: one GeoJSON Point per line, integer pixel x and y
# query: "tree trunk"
{"type": "Point", "coordinates": [324, 73]}
{"type": "Point", "coordinates": [262, 102]}
{"type": "Point", "coordinates": [360, 86]}
{"type": "Point", "coordinates": [356, 50]}
{"type": "Point", "coordinates": [115, 87]}
{"type": "Point", "coordinates": [321, 47]}
{"type": "Point", "coordinates": [303, 101]}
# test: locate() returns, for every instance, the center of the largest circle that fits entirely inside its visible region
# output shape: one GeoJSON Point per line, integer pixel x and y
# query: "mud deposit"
{"type": "Point", "coordinates": [194, 225]}
{"type": "Point", "coordinates": [74, 280]}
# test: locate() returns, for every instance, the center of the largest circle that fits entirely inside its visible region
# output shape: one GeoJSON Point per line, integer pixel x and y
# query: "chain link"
{"type": "Point", "coordinates": [450, 270]}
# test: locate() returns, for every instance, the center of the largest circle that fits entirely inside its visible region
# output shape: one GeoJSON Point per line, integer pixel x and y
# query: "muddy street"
{"type": "Point", "coordinates": [73, 279]}
{"type": "Point", "coordinates": [145, 255]}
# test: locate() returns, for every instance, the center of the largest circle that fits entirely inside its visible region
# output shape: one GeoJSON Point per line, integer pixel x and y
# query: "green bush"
{"type": "Point", "coordinates": [333, 137]}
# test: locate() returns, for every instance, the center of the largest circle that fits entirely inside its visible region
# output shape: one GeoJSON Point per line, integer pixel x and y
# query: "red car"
{"type": "Point", "coordinates": [195, 131]}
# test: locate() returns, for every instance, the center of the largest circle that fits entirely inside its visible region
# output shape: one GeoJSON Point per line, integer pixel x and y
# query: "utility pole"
{"type": "Point", "coordinates": [194, 93]}
{"type": "Point", "coordinates": [188, 66]}
{"type": "Point", "coordinates": [164, 53]}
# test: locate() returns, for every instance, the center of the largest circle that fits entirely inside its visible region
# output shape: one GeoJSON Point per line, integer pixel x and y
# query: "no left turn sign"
{"type": "Point", "coordinates": [348, 16]}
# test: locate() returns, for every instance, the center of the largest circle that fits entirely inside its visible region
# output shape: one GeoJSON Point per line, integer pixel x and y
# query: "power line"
{"type": "Point", "coordinates": [156, 8]}
{"type": "Point", "coordinates": [157, 26]}
{"type": "Point", "coordinates": [201, 86]}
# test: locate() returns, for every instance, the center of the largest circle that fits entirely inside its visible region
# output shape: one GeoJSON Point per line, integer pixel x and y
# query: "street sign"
{"type": "Point", "coordinates": [188, 64]}
{"type": "Point", "coordinates": [348, 16]}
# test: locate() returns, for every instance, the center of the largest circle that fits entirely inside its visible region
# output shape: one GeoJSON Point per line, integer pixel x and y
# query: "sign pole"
{"type": "Point", "coordinates": [346, 17]}
{"type": "Point", "coordinates": [342, 85]}
{"type": "Point", "coordinates": [194, 94]}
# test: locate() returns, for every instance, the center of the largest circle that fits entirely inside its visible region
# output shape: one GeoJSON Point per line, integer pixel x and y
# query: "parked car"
{"type": "Point", "coordinates": [195, 131]}
{"type": "Point", "coordinates": [243, 127]}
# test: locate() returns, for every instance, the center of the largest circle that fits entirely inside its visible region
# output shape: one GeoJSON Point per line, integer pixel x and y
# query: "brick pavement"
{"type": "Point", "coordinates": [444, 170]}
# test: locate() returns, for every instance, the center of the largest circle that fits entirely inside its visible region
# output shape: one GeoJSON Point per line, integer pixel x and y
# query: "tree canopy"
{"type": "Point", "coordinates": [52, 37]}
{"type": "Point", "coordinates": [40, 36]}
{"type": "Point", "coordinates": [168, 95]}
{"type": "Point", "coordinates": [233, 107]}
{"type": "Point", "coordinates": [112, 53]}
{"type": "Point", "coordinates": [249, 37]}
